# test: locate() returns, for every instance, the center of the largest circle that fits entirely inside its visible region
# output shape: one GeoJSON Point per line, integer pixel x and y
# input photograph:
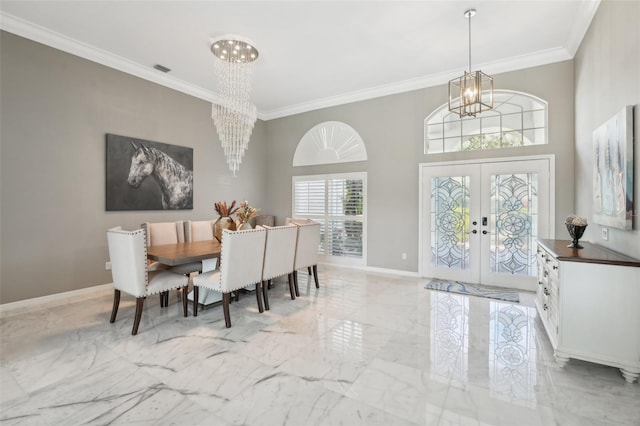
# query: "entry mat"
{"type": "Point", "coordinates": [474, 290]}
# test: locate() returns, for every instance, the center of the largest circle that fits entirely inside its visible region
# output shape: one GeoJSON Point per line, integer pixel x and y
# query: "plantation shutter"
{"type": "Point", "coordinates": [338, 203]}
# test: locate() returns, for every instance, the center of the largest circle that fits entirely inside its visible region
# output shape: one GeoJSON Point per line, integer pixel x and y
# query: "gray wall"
{"type": "Point", "coordinates": [56, 109]}
{"type": "Point", "coordinates": [392, 129]}
{"type": "Point", "coordinates": [607, 78]}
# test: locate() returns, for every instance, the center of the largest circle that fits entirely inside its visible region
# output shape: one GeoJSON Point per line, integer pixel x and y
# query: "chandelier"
{"type": "Point", "coordinates": [234, 116]}
{"type": "Point", "coordinates": [471, 93]}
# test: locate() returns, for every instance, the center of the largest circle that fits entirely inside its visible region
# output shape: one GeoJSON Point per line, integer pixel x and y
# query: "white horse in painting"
{"type": "Point", "coordinates": [176, 182]}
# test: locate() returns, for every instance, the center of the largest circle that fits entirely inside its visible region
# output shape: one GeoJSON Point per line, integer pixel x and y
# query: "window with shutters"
{"type": "Point", "coordinates": [338, 202]}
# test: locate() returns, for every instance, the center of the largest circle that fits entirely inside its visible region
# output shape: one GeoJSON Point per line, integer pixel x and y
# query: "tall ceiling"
{"type": "Point", "coordinates": [313, 54]}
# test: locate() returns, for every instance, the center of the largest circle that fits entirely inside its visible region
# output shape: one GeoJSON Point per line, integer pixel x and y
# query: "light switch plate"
{"type": "Point", "coordinates": [605, 233]}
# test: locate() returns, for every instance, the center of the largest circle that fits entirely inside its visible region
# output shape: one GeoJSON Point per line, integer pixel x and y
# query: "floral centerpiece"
{"type": "Point", "coordinates": [245, 213]}
{"type": "Point", "coordinates": [224, 221]}
{"type": "Point", "coordinates": [576, 226]}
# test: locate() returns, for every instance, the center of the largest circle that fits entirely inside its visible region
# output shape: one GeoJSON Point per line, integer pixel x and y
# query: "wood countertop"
{"type": "Point", "coordinates": [591, 253]}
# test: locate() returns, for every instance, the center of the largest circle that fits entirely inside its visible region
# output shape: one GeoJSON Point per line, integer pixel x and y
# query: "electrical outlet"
{"type": "Point", "coordinates": [107, 266]}
{"type": "Point", "coordinates": [605, 233]}
{"type": "Point", "coordinates": [404, 256]}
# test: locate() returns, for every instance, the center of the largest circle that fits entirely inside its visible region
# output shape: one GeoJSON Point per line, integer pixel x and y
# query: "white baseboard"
{"type": "Point", "coordinates": [29, 303]}
{"type": "Point", "coordinates": [376, 270]}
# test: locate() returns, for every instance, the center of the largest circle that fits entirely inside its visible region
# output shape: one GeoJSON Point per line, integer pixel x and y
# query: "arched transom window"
{"type": "Point", "coordinates": [517, 119]}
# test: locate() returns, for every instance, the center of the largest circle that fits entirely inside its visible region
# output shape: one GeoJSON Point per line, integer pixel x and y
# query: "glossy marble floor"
{"type": "Point", "coordinates": [364, 349]}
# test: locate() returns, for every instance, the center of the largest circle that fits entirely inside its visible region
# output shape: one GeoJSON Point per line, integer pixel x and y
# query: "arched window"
{"type": "Point", "coordinates": [517, 119]}
{"type": "Point", "coordinates": [328, 143]}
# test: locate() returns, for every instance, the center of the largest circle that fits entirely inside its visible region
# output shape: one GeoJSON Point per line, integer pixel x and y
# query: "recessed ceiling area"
{"type": "Point", "coordinates": [313, 54]}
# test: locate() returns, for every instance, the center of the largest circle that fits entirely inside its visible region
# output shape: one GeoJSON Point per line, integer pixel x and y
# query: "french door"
{"type": "Point", "coordinates": [480, 221]}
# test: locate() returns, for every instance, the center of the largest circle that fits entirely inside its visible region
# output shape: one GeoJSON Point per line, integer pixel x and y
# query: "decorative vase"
{"type": "Point", "coordinates": [245, 225]}
{"type": "Point", "coordinates": [223, 222]}
{"type": "Point", "coordinates": [576, 232]}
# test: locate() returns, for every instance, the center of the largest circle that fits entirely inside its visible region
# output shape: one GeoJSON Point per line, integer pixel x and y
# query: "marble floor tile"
{"type": "Point", "coordinates": [363, 349]}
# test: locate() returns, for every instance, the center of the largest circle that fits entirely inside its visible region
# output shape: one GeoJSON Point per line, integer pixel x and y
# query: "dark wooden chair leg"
{"type": "Point", "coordinates": [265, 294]}
{"type": "Point", "coordinates": [295, 283]}
{"type": "Point", "coordinates": [116, 303]}
{"type": "Point", "coordinates": [226, 297]}
{"type": "Point", "coordinates": [259, 296]}
{"type": "Point", "coordinates": [136, 321]}
{"type": "Point", "coordinates": [291, 287]}
{"type": "Point", "coordinates": [196, 290]}
{"type": "Point", "coordinates": [269, 285]}
{"type": "Point", "coordinates": [309, 269]}
{"type": "Point", "coordinates": [184, 301]}
{"type": "Point", "coordinates": [166, 298]}
{"type": "Point", "coordinates": [162, 300]}
{"type": "Point", "coordinates": [315, 275]}
{"type": "Point", "coordinates": [238, 295]}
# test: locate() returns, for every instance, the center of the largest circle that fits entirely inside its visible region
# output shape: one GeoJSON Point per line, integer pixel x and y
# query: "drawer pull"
{"type": "Point", "coordinates": [546, 291]}
{"type": "Point", "coordinates": [539, 282]}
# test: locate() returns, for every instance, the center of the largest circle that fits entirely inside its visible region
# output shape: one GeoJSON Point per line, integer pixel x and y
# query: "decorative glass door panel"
{"type": "Point", "coordinates": [481, 221]}
{"type": "Point", "coordinates": [450, 222]}
{"type": "Point", "coordinates": [450, 207]}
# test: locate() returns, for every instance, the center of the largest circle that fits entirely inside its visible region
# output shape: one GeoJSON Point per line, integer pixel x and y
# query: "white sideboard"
{"type": "Point", "coordinates": [589, 302]}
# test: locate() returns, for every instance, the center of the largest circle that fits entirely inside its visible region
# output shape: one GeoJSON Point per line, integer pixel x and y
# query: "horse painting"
{"type": "Point", "coordinates": [174, 180]}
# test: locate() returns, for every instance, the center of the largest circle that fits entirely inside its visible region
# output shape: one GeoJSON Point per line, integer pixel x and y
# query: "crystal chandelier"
{"type": "Point", "coordinates": [235, 115]}
{"type": "Point", "coordinates": [471, 93]}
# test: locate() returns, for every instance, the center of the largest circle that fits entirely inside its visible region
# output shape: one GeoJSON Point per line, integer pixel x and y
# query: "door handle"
{"type": "Point", "coordinates": [484, 231]}
{"type": "Point", "coordinates": [474, 232]}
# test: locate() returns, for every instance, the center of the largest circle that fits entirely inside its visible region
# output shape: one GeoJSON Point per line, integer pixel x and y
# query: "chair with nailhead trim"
{"type": "Point", "coordinates": [128, 256]}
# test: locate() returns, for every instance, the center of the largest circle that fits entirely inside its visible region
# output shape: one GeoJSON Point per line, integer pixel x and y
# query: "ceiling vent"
{"type": "Point", "coordinates": [161, 68]}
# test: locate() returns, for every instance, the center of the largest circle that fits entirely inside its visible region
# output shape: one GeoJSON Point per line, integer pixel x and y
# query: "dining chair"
{"type": "Point", "coordinates": [279, 254]}
{"type": "Point", "coordinates": [241, 261]}
{"type": "Point", "coordinates": [298, 221]}
{"type": "Point", "coordinates": [159, 233]}
{"type": "Point", "coordinates": [128, 256]}
{"type": "Point", "coordinates": [199, 230]}
{"type": "Point", "coordinates": [306, 251]}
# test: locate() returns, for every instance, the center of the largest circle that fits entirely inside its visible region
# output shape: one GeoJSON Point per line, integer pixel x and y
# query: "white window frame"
{"type": "Point", "coordinates": [501, 98]}
{"type": "Point", "coordinates": [324, 257]}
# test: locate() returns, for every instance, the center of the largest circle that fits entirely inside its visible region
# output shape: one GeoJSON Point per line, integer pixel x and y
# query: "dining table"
{"type": "Point", "coordinates": [181, 253]}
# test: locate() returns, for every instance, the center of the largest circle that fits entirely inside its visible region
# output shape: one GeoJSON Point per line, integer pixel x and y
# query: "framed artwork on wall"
{"type": "Point", "coordinates": [146, 175]}
{"type": "Point", "coordinates": [613, 171]}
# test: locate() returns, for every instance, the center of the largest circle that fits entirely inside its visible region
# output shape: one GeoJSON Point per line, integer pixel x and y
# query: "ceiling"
{"type": "Point", "coordinates": [313, 54]}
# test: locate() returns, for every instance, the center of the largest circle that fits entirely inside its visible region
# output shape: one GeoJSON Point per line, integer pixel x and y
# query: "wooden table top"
{"type": "Point", "coordinates": [591, 253]}
{"type": "Point", "coordinates": [180, 253]}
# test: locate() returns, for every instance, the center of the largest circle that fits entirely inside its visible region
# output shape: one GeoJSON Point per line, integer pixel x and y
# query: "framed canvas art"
{"type": "Point", "coordinates": [146, 175]}
{"type": "Point", "coordinates": [613, 171]}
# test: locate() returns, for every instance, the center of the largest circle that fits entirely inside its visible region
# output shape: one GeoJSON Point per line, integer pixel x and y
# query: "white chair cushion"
{"type": "Point", "coordinates": [160, 281]}
{"type": "Point", "coordinates": [210, 280]}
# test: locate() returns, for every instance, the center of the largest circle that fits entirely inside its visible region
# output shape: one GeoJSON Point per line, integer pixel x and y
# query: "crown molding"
{"type": "Point", "coordinates": [581, 25]}
{"type": "Point", "coordinates": [70, 45]}
{"type": "Point", "coordinates": [43, 35]}
{"type": "Point", "coordinates": [510, 64]}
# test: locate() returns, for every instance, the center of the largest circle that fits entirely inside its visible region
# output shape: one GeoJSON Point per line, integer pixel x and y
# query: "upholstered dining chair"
{"type": "Point", "coordinates": [279, 255]}
{"type": "Point", "coordinates": [298, 221]}
{"type": "Point", "coordinates": [198, 230]}
{"type": "Point", "coordinates": [159, 233]}
{"type": "Point", "coordinates": [128, 256]}
{"type": "Point", "coordinates": [306, 251]}
{"type": "Point", "coordinates": [241, 262]}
